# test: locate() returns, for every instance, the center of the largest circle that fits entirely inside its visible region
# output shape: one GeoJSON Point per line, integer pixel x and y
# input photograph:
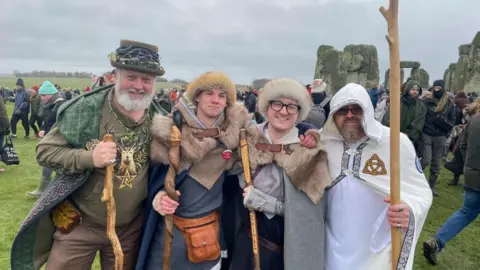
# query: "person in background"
{"type": "Point", "coordinates": [382, 104]}
{"type": "Point", "coordinates": [438, 126]}
{"type": "Point", "coordinates": [317, 115]}
{"type": "Point", "coordinates": [251, 101]}
{"type": "Point", "coordinates": [4, 126]}
{"type": "Point", "coordinates": [469, 147]}
{"type": "Point", "coordinates": [412, 114]}
{"type": "Point", "coordinates": [21, 109]}
{"type": "Point", "coordinates": [35, 110]}
{"type": "Point", "coordinates": [76, 93]}
{"type": "Point", "coordinates": [173, 95]}
{"type": "Point", "coordinates": [51, 101]}
{"type": "Point", "coordinates": [68, 93]}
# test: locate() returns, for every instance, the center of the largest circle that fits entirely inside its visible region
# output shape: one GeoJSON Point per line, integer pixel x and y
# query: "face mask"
{"type": "Point", "coordinates": [438, 94]}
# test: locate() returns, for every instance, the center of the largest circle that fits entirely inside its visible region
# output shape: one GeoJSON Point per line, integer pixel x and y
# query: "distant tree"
{"type": "Point", "coordinates": [259, 83]}
{"type": "Point", "coordinates": [179, 81]}
{"type": "Point", "coordinates": [161, 79]}
{"type": "Point", "coordinates": [52, 74]}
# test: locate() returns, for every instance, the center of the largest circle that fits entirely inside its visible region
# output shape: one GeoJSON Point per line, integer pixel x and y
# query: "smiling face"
{"type": "Point", "coordinates": [211, 103]}
{"type": "Point", "coordinates": [134, 91]}
{"type": "Point", "coordinates": [282, 114]}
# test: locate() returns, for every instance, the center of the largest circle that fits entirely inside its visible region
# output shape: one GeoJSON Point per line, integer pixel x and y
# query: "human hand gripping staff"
{"type": "Point", "coordinates": [107, 197]}
{"type": "Point", "coordinates": [248, 180]}
{"type": "Point", "coordinates": [174, 159]}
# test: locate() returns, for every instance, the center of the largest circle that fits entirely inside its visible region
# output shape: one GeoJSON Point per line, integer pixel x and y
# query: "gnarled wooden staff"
{"type": "Point", "coordinates": [174, 159]}
{"type": "Point", "coordinates": [248, 180]}
{"type": "Point", "coordinates": [391, 16]}
{"type": "Point", "coordinates": [107, 197]}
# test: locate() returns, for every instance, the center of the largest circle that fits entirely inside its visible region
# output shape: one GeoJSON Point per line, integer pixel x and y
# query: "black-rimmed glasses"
{"type": "Point", "coordinates": [278, 106]}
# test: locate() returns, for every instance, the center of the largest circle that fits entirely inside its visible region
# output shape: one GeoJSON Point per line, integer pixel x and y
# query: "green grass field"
{"type": "Point", "coordinates": [66, 82]}
{"type": "Point", "coordinates": [461, 253]}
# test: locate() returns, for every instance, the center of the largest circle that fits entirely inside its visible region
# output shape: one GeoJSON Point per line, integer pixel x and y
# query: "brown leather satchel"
{"type": "Point", "coordinates": [201, 237]}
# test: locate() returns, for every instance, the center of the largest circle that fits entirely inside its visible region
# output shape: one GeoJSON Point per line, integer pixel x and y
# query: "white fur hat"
{"type": "Point", "coordinates": [318, 86]}
{"type": "Point", "coordinates": [286, 88]}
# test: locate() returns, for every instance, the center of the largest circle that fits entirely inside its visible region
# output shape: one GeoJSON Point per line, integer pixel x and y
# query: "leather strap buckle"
{"type": "Point", "coordinates": [208, 133]}
{"type": "Point", "coordinates": [274, 148]}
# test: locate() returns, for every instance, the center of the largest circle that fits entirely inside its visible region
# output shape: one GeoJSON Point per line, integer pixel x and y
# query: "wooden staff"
{"type": "Point", "coordinates": [174, 159]}
{"type": "Point", "coordinates": [248, 180]}
{"type": "Point", "coordinates": [391, 16]}
{"type": "Point", "coordinates": [107, 197]}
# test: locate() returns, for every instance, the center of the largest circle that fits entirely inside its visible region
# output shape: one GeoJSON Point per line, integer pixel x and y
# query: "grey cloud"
{"type": "Point", "coordinates": [247, 39]}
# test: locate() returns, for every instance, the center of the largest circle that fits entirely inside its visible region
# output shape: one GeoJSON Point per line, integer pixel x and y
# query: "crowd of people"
{"type": "Point", "coordinates": [319, 164]}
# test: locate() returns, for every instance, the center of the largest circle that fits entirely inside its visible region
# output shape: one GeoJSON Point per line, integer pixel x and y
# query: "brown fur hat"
{"type": "Point", "coordinates": [208, 81]}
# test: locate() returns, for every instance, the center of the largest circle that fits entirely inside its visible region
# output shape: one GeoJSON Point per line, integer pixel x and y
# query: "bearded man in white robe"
{"type": "Point", "coordinates": [359, 216]}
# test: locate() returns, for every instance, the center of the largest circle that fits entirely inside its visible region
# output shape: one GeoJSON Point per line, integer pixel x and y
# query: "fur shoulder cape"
{"type": "Point", "coordinates": [306, 168]}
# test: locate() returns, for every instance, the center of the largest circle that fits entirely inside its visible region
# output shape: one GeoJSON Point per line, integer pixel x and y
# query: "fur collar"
{"type": "Point", "coordinates": [192, 149]}
{"type": "Point", "coordinates": [306, 168]}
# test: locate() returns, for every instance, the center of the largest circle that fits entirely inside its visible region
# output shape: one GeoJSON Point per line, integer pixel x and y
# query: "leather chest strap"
{"type": "Point", "coordinates": [207, 133]}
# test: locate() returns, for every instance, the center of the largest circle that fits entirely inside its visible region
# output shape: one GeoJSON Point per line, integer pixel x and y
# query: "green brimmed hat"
{"type": "Point", "coordinates": [137, 56]}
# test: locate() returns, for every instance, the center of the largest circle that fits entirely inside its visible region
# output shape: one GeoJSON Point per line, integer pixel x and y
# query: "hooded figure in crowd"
{"type": "Point", "coordinates": [412, 114]}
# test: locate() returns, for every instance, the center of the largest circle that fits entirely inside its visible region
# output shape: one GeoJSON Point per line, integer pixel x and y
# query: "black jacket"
{"type": "Point", "coordinates": [470, 149]}
{"type": "Point", "coordinates": [50, 112]}
{"type": "Point", "coordinates": [438, 123]}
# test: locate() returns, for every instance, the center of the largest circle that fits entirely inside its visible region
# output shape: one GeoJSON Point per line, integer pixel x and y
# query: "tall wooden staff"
{"type": "Point", "coordinates": [174, 159]}
{"type": "Point", "coordinates": [248, 180]}
{"type": "Point", "coordinates": [391, 16]}
{"type": "Point", "coordinates": [107, 197]}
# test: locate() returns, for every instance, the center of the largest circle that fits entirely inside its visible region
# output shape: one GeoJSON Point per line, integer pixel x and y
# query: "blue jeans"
{"type": "Point", "coordinates": [460, 219]}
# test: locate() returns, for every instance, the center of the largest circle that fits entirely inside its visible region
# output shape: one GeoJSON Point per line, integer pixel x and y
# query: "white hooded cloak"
{"type": "Point", "coordinates": [358, 233]}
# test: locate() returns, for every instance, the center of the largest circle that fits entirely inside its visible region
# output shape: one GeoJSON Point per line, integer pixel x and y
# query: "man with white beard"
{"type": "Point", "coordinates": [359, 217]}
{"type": "Point", "coordinates": [67, 226]}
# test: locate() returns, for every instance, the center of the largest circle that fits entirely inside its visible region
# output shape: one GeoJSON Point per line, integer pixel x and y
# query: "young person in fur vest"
{"type": "Point", "coordinates": [211, 123]}
{"type": "Point", "coordinates": [288, 185]}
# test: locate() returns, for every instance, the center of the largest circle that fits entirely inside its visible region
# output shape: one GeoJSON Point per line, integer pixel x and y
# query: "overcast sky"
{"type": "Point", "coordinates": [245, 38]}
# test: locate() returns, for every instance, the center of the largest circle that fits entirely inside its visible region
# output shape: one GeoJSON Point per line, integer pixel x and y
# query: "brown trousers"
{"type": "Point", "coordinates": [77, 249]}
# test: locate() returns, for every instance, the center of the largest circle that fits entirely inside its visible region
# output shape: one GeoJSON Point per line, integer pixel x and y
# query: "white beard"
{"type": "Point", "coordinates": [133, 105]}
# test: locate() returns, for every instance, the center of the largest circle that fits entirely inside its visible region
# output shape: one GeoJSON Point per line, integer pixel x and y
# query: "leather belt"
{"type": "Point", "coordinates": [274, 148]}
{"type": "Point", "coordinates": [265, 243]}
{"type": "Point", "coordinates": [207, 133]}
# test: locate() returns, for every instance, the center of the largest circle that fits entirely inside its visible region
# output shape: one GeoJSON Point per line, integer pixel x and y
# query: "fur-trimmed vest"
{"type": "Point", "coordinates": [203, 157]}
{"type": "Point", "coordinates": [306, 168]}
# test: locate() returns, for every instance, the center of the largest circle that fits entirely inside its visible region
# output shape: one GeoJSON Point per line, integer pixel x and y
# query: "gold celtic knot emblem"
{"type": "Point", "coordinates": [374, 166]}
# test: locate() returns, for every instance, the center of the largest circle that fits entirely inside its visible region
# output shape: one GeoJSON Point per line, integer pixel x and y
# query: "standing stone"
{"type": "Point", "coordinates": [450, 77]}
{"type": "Point", "coordinates": [421, 76]}
{"type": "Point", "coordinates": [464, 49]}
{"type": "Point", "coordinates": [461, 70]}
{"type": "Point", "coordinates": [445, 76]}
{"type": "Point", "coordinates": [473, 73]}
{"type": "Point", "coordinates": [361, 63]}
{"type": "Point", "coordinates": [409, 64]}
{"type": "Point", "coordinates": [320, 52]}
{"type": "Point", "coordinates": [387, 77]}
{"type": "Point", "coordinates": [331, 70]}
